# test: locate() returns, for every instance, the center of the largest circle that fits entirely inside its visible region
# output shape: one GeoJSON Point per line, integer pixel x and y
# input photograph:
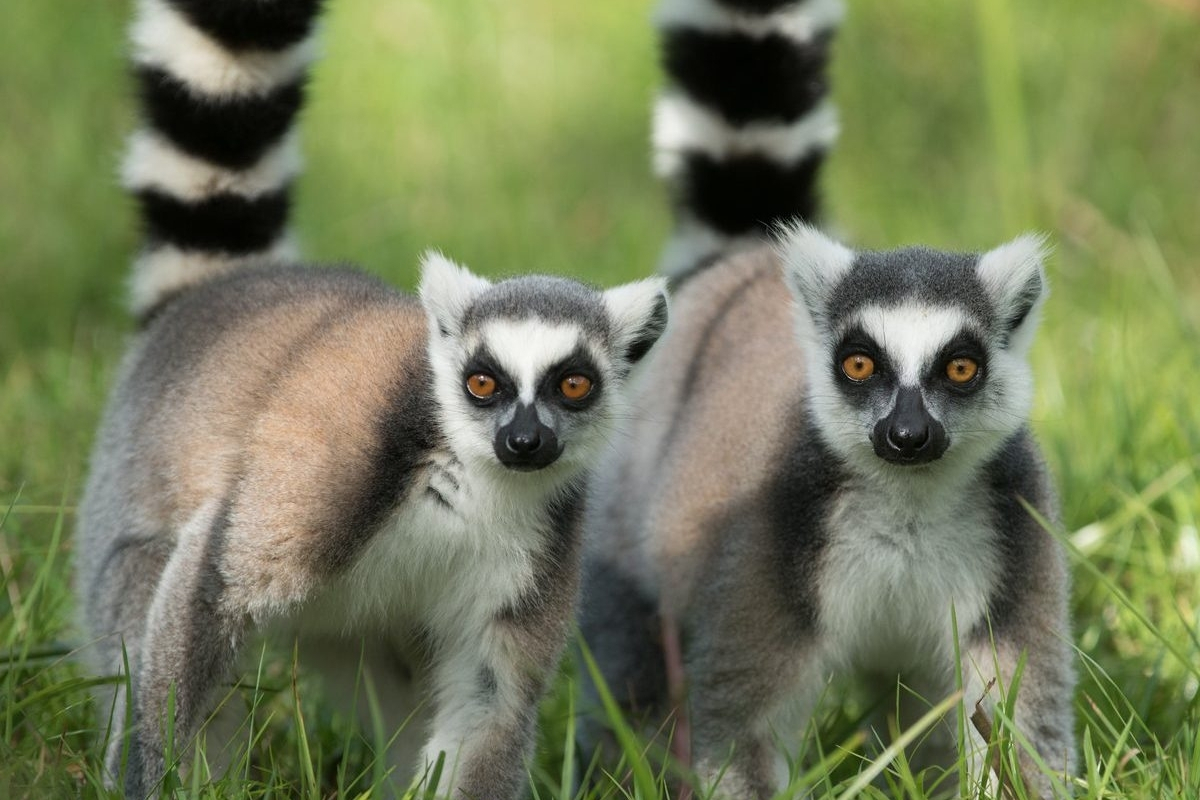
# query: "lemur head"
{"type": "Point", "coordinates": [530, 372]}
{"type": "Point", "coordinates": [915, 356]}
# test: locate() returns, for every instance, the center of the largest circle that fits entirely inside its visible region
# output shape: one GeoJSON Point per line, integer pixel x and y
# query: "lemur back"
{"type": "Point", "coordinates": [790, 522]}
{"type": "Point", "coordinates": [395, 482]}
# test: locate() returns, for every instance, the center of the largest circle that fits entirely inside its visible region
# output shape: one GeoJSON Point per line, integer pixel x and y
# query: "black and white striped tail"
{"type": "Point", "coordinates": [744, 124]}
{"type": "Point", "coordinates": [220, 83]}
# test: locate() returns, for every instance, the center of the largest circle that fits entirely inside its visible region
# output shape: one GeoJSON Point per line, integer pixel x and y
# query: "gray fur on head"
{"type": "Point", "coordinates": [1002, 289]}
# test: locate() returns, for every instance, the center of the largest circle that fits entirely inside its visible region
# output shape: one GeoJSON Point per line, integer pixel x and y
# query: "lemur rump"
{"type": "Point", "coordinates": [832, 464]}
{"type": "Point", "coordinates": [301, 451]}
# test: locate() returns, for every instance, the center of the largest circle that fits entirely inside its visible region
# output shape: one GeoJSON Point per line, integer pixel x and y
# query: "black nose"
{"type": "Point", "coordinates": [526, 443]}
{"type": "Point", "coordinates": [909, 435]}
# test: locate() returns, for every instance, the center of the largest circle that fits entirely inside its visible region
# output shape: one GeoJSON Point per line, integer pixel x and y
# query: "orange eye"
{"type": "Point", "coordinates": [481, 385]}
{"type": "Point", "coordinates": [962, 370]}
{"type": "Point", "coordinates": [858, 367]}
{"type": "Point", "coordinates": [575, 387]}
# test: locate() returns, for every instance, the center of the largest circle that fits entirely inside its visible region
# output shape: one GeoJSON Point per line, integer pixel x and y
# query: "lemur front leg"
{"type": "Point", "coordinates": [190, 645]}
{"type": "Point", "coordinates": [1043, 709]}
{"type": "Point", "coordinates": [739, 687]}
{"type": "Point", "coordinates": [1035, 627]}
{"type": "Point", "coordinates": [487, 689]}
{"type": "Point", "coordinates": [488, 680]}
{"type": "Point", "coordinates": [735, 704]}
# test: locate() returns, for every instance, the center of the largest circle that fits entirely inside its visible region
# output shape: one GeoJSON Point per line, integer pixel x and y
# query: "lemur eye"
{"type": "Point", "coordinates": [961, 370]}
{"type": "Point", "coordinates": [481, 385]}
{"type": "Point", "coordinates": [858, 367]}
{"type": "Point", "coordinates": [575, 387]}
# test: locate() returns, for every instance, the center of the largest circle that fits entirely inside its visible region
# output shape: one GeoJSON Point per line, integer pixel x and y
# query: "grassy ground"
{"type": "Point", "coordinates": [513, 136]}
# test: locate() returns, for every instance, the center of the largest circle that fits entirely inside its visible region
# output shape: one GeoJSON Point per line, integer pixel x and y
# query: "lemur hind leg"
{"type": "Point", "coordinates": [621, 628]}
{"type": "Point", "coordinates": [190, 647]}
{"type": "Point", "coordinates": [121, 604]}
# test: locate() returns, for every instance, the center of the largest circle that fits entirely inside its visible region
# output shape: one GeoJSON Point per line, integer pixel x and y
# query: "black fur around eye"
{"type": "Point", "coordinates": [857, 360]}
{"type": "Point", "coordinates": [961, 366]}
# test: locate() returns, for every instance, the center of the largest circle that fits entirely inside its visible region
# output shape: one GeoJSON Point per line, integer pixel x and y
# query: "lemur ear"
{"type": "Point", "coordinates": [638, 313]}
{"type": "Point", "coordinates": [447, 290]}
{"type": "Point", "coordinates": [1014, 278]}
{"type": "Point", "coordinates": [813, 265]}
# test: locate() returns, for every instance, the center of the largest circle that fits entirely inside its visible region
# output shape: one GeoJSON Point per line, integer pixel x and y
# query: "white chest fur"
{"type": "Point", "coordinates": [459, 549]}
{"type": "Point", "coordinates": [893, 571]}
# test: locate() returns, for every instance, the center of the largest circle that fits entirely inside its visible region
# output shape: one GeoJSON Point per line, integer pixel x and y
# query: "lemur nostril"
{"type": "Point", "coordinates": [524, 442]}
{"type": "Point", "coordinates": [908, 438]}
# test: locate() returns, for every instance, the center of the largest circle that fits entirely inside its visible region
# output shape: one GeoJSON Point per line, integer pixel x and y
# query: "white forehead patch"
{"type": "Point", "coordinates": [911, 335]}
{"type": "Point", "coordinates": [526, 348]}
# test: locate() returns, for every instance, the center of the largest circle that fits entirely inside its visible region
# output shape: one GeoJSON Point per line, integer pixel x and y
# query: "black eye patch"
{"type": "Point", "coordinates": [854, 341]}
{"type": "Point", "coordinates": [579, 362]}
{"type": "Point", "coordinates": [482, 361]}
{"type": "Point", "coordinates": [965, 344]}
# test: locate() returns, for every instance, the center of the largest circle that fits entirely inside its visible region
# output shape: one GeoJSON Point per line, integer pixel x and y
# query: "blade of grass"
{"type": "Point", "coordinates": [928, 720]}
{"type": "Point", "coordinates": [643, 779]}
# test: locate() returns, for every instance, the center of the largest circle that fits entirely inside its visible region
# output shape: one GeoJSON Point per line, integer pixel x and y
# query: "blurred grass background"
{"type": "Point", "coordinates": [514, 137]}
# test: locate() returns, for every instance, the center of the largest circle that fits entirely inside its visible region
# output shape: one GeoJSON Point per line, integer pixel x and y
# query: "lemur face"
{"type": "Point", "coordinates": [914, 355]}
{"type": "Point", "coordinates": [530, 372]}
{"type": "Point", "coordinates": [914, 379]}
{"type": "Point", "coordinates": [530, 388]}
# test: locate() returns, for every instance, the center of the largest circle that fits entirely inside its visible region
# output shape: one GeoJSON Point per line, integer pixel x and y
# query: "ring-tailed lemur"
{"type": "Point", "coordinates": [301, 450]}
{"type": "Point", "coordinates": [832, 461]}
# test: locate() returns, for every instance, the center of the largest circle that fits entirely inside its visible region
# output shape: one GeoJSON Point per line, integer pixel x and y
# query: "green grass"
{"type": "Point", "coordinates": [513, 136]}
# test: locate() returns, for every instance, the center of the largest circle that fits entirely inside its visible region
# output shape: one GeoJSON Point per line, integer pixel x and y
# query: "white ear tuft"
{"type": "Point", "coordinates": [813, 265]}
{"type": "Point", "coordinates": [1014, 278]}
{"type": "Point", "coordinates": [638, 313]}
{"type": "Point", "coordinates": [447, 290]}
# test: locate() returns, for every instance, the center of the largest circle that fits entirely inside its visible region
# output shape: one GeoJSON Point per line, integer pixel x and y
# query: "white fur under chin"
{"type": "Point", "coordinates": [163, 37]}
{"type": "Point", "coordinates": [448, 567]}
